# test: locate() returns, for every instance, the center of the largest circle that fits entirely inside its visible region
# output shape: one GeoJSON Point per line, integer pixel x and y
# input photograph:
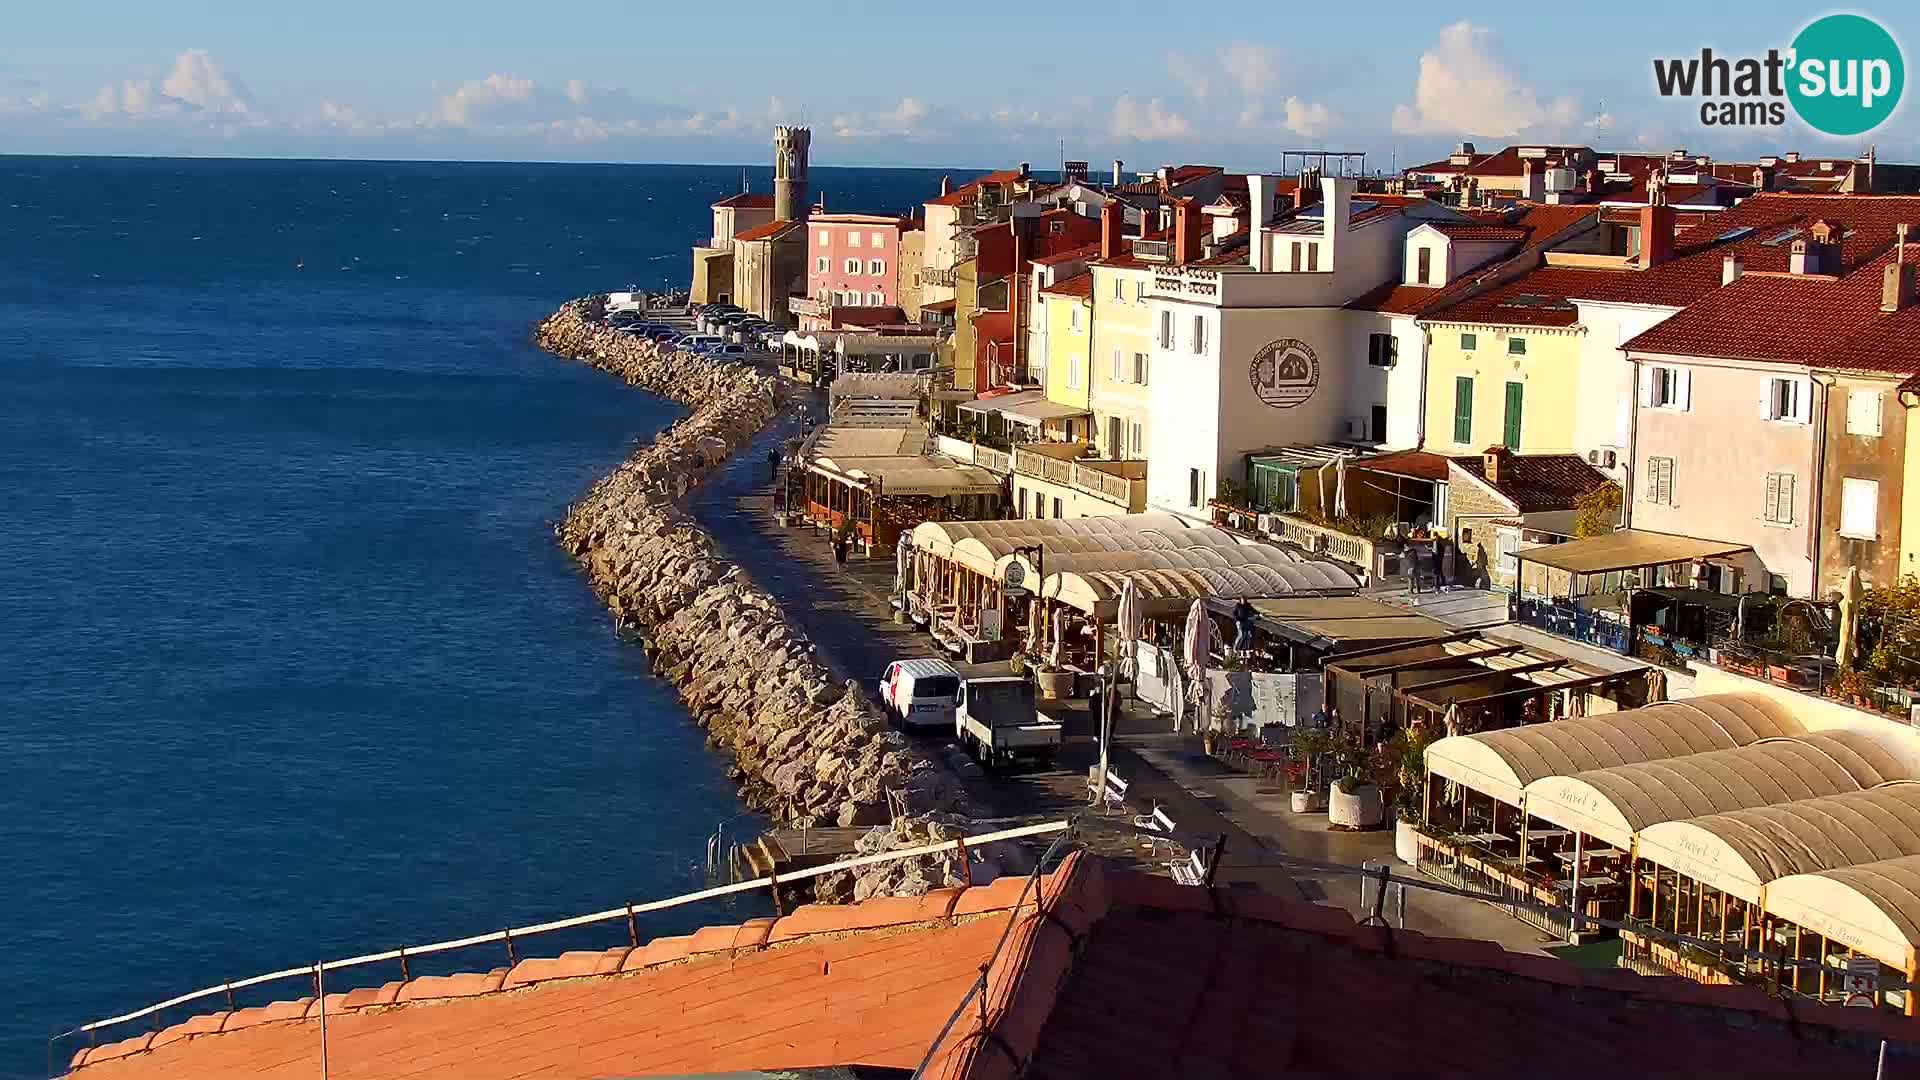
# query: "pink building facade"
{"type": "Point", "coordinates": [853, 260]}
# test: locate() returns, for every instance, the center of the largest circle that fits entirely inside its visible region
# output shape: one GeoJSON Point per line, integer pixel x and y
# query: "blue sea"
{"type": "Point", "coordinates": [291, 667]}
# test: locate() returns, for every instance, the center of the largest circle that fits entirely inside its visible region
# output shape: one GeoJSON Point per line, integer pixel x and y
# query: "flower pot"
{"type": "Point", "coordinates": [1363, 809]}
{"type": "Point", "coordinates": [1406, 845]}
{"type": "Point", "coordinates": [1302, 801]}
{"type": "Point", "coordinates": [1054, 685]}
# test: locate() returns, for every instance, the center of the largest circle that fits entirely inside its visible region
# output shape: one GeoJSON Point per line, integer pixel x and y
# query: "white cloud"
{"type": "Point", "coordinates": [1308, 118]}
{"type": "Point", "coordinates": [1132, 120]}
{"type": "Point", "coordinates": [903, 119]}
{"type": "Point", "coordinates": [494, 98]}
{"type": "Point", "coordinates": [198, 82]}
{"type": "Point", "coordinates": [1188, 74]}
{"type": "Point", "coordinates": [1249, 64]}
{"type": "Point", "coordinates": [1466, 88]}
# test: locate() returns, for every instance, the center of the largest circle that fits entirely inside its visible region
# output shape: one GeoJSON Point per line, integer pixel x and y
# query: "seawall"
{"type": "Point", "coordinates": [807, 750]}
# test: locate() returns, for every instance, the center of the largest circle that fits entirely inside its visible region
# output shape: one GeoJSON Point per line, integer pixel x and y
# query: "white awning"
{"type": "Point", "coordinates": [1023, 407]}
{"type": "Point", "coordinates": [1873, 908]}
{"type": "Point", "coordinates": [1166, 591]}
{"type": "Point", "coordinates": [1614, 804]}
{"type": "Point", "coordinates": [1741, 851]}
{"type": "Point", "coordinates": [1502, 763]}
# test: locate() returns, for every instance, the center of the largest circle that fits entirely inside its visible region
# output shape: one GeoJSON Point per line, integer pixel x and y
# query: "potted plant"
{"type": "Point", "coordinates": [1409, 786]}
{"type": "Point", "coordinates": [1314, 746]}
{"type": "Point", "coordinates": [1054, 682]}
{"type": "Point", "coordinates": [1354, 800]}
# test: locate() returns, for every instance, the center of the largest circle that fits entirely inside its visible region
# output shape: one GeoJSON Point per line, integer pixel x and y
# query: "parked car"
{"type": "Point", "coordinates": [731, 352]}
{"type": "Point", "coordinates": [920, 693]}
{"type": "Point", "coordinates": [699, 342]}
{"type": "Point", "coordinates": [998, 723]}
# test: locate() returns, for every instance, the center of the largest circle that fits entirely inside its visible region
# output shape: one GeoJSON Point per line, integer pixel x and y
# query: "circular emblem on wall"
{"type": "Point", "coordinates": [1285, 372]}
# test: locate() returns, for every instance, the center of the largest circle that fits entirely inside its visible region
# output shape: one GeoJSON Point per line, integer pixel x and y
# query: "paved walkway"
{"type": "Point", "coordinates": [846, 610]}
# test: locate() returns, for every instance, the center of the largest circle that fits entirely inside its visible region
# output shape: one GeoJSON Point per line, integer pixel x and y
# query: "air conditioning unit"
{"type": "Point", "coordinates": [1268, 523]}
{"type": "Point", "coordinates": [1613, 459]}
{"type": "Point", "coordinates": [1593, 457]}
{"type": "Point", "coordinates": [1358, 427]}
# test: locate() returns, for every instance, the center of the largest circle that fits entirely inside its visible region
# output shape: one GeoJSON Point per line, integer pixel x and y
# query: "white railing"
{"type": "Point", "coordinates": [609, 915]}
{"type": "Point", "coordinates": [1083, 478]}
{"type": "Point", "coordinates": [994, 461]}
{"type": "Point", "coordinates": [1348, 548]}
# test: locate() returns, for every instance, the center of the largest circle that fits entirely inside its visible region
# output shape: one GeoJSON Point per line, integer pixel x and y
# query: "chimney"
{"type": "Point", "coordinates": [1187, 228]}
{"type": "Point", "coordinates": [1762, 178]}
{"type": "Point", "coordinates": [946, 186]}
{"type": "Point", "coordinates": [1820, 251]}
{"type": "Point", "coordinates": [1793, 157]}
{"type": "Point", "coordinates": [1492, 459]}
{"type": "Point", "coordinates": [1731, 268]}
{"type": "Point", "coordinates": [1337, 193]}
{"type": "Point", "coordinates": [1656, 223]}
{"type": "Point", "coordinates": [1532, 182]}
{"type": "Point", "coordinates": [1259, 205]}
{"type": "Point", "coordinates": [1896, 287]}
{"type": "Point", "coordinates": [1113, 215]}
{"type": "Point", "coordinates": [1801, 261]}
{"type": "Point", "coordinates": [1026, 169]}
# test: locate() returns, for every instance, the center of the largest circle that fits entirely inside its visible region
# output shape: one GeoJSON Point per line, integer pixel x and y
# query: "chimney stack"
{"type": "Point", "coordinates": [1731, 268]}
{"type": "Point", "coordinates": [1259, 205]}
{"type": "Point", "coordinates": [1800, 260]}
{"type": "Point", "coordinates": [1896, 287]}
{"type": "Point", "coordinates": [1026, 169]}
{"type": "Point", "coordinates": [1187, 228]}
{"type": "Point", "coordinates": [1656, 223]}
{"type": "Point", "coordinates": [1113, 215]}
{"type": "Point", "coordinates": [1492, 460]}
{"type": "Point", "coordinates": [1119, 174]}
{"type": "Point", "coordinates": [1532, 182]}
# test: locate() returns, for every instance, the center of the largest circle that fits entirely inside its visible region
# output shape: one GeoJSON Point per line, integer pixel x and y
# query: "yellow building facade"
{"type": "Point", "coordinates": [1493, 385]}
{"type": "Point", "coordinates": [1122, 350]}
{"type": "Point", "coordinates": [1066, 333]}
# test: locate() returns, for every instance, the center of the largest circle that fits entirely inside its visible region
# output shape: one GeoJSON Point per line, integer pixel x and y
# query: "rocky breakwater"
{"type": "Point", "coordinates": [807, 749]}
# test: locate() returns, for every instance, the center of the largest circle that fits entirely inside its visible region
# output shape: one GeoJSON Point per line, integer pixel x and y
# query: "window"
{"type": "Point", "coordinates": [1469, 342]}
{"type": "Point", "coordinates": [1119, 288]}
{"type": "Point", "coordinates": [1116, 365]}
{"type": "Point", "coordinates": [1510, 430]}
{"type": "Point", "coordinates": [1463, 409]}
{"type": "Point", "coordinates": [1139, 440]}
{"type": "Point", "coordinates": [1379, 423]}
{"type": "Point", "coordinates": [1056, 507]}
{"type": "Point", "coordinates": [876, 267]}
{"type": "Point", "coordinates": [1777, 584]}
{"type": "Point", "coordinates": [1199, 334]}
{"type": "Point", "coordinates": [1073, 318]}
{"type": "Point", "coordinates": [1193, 487]}
{"type": "Point", "coordinates": [1863, 413]}
{"type": "Point", "coordinates": [853, 239]}
{"type": "Point", "coordinates": [825, 238]}
{"type": "Point", "coordinates": [852, 266]}
{"type": "Point", "coordinates": [1039, 505]}
{"type": "Point", "coordinates": [875, 299]}
{"type": "Point", "coordinates": [1140, 368]}
{"type": "Point", "coordinates": [1382, 349]}
{"type": "Point", "coordinates": [1140, 291]}
{"type": "Point", "coordinates": [820, 264]}
{"type": "Point", "coordinates": [1860, 509]}
{"type": "Point", "coordinates": [1426, 266]}
{"type": "Point", "coordinates": [1073, 373]}
{"type": "Point", "coordinates": [1023, 502]}
{"type": "Point", "coordinates": [1516, 346]}
{"type": "Point", "coordinates": [1166, 329]}
{"type": "Point", "coordinates": [1313, 258]}
{"type": "Point", "coordinates": [1666, 388]}
{"type": "Point", "coordinates": [1296, 256]}
{"type": "Point", "coordinates": [1779, 505]}
{"type": "Point", "coordinates": [878, 240]}
{"type": "Point", "coordinates": [1659, 486]}
{"type": "Point", "coordinates": [1786, 399]}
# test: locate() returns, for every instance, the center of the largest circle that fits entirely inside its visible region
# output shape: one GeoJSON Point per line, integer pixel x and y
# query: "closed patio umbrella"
{"type": "Point", "coordinates": [1199, 646]}
{"type": "Point", "coordinates": [1849, 619]}
{"type": "Point", "coordinates": [1129, 625]}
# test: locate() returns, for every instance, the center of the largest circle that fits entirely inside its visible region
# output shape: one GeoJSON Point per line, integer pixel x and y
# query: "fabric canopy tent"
{"type": "Point", "coordinates": [1626, 549]}
{"type": "Point", "coordinates": [1164, 591]}
{"type": "Point", "coordinates": [1503, 763]}
{"type": "Point", "coordinates": [1741, 851]}
{"type": "Point", "coordinates": [939, 537]}
{"type": "Point", "coordinates": [1093, 552]}
{"type": "Point", "coordinates": [912, 475]}
{"type": "Point", "coordinates": [1873, 908]}
{"type": "Point", "coordinates": [1615, 803]}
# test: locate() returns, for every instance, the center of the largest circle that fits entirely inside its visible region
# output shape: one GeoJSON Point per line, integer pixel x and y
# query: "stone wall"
{"type": "Point", "coordinates": [807, 750]}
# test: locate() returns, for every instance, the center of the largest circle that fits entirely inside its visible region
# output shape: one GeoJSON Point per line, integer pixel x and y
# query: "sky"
{"type": "Point", "coordinates": [880, 83]}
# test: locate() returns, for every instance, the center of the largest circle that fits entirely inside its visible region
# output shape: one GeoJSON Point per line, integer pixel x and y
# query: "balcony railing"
{"type": "Point", "coordinates": [1153, 249]}
{"type": "Point", "coordinates": [1572, 622]}
{"type": "Point", "coordinates": [1103, 485]}
{"type": "Point", "coordinates": [938, 278]}
{"type": "Point", "coordinates": [807, 305]}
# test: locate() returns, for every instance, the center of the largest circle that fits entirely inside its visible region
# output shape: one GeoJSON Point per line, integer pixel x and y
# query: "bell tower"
{"type": "Point", "coordinates": [790, 172]}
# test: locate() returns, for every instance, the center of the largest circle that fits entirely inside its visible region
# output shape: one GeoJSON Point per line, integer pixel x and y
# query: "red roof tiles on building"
{"type": "Point", "coordinates": [1536, 298]}
{"type": "Point", "coordinates": [1079, 285]}
{"type": "Point", "coordinates": [746, 200]}
{"type": "Point", "coordinates": [768, 231]}
{"type": "Point", "coordinates": [1537, 483]}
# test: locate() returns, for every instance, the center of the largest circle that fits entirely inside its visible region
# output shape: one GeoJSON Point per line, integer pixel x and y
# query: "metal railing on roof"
{"type": "Point", "coordinates": [508, 936]}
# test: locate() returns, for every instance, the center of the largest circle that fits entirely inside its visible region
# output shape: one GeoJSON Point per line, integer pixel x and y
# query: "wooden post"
{"type": "Point", "coordinates": [1573, 894]}
{"type": "Point", "coordinates": [1724, 901]}
{"type": "Point", "coordinates": [1822, 955]}
{"type": "Point", "coordinates": [1906, 997]}
{"type": "Point", "coordinates": [1653, 900]}
{"type": "Point", "coordinates": [1099, 639]}
{"type": "Point", "coordinates": [1796, 959]}
{"type": "Point", "coordinates": [1426, 800]}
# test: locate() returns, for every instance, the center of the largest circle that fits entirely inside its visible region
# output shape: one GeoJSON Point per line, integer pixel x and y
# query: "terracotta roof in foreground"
{"type": "Point", "coordinates": [1537, 483]}
{"type": "Point", "coordinates": [768, 231]}
{"type": "Point", "coordinates": [1107, 973]}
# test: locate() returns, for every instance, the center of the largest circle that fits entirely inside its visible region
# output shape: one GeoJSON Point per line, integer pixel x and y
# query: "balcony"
{"type": "Point", "coordinates": [1108, 481]}
{"type": "Point", "coordinates": [1332, 543]}
{"type": "Point", "coordinates": [807, 305]}
{"type": "Point", "coordinates": [937, 277]}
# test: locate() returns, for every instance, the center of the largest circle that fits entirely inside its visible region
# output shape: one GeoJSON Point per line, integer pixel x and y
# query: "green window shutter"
{"type": "Point", "coordinates": [1516, 393]}
{"type": "Point", "coordinates": [1462, 409]}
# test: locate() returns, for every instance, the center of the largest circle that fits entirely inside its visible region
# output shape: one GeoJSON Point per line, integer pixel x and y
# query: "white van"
{"type": "Point", "coordinates": [921, 693]}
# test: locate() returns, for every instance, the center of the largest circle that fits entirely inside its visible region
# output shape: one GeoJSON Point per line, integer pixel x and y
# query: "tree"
{"type": "Point", "coordinates": [1597, 512]}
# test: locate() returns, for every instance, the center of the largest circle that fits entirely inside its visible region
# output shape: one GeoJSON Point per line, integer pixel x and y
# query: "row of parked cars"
{"type": "Point", "coordinates": [677, 336]}
{"type": "Point", "coordinates": [737, 327]}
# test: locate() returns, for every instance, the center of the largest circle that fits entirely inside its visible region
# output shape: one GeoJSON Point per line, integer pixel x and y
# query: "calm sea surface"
{"type": "Point", "coordinates": [290, 665]}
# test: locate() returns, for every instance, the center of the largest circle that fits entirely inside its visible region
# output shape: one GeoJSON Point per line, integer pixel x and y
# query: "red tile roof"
{"type": "Point", "coordinates": [1538, 483]}
{"type": "Point", "coordinates": [964, 194]}
{"type": "Point", "coordinates": [1394, 298]}
{"type": "Point", "coordinates": [1478, 231]}
{"type": "Point", "coordinates": [1084, 251]}
{"type": "Point", "coordinates": [1507, 162]}
{"type": "Point", "coordinates": [1079, 285]}
{"type": "Point", "coordinates": [1816, 321]}
{"type": "Point", "coordinates": [1446, 166]}
{"type": "Point", "coordinates": [1536, 298]}
{"type": "Point", "coordinates": [768, 231]}
{"type": "Point", "coordinates": [1536, 223]}
{"type": "Point", "coordinates": [1105, 973]}
{"type": "Point", "coordinates": [746, 200]}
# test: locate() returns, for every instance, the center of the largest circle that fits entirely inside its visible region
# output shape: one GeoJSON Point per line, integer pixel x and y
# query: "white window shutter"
{"type": "Point", "coordinates": [1786, 497]}
{"type": "Point", "coordinates": [1646, 387]}
{"type": "Point", "coordinates": [1766, 399]}
{"type": "Point", "coordinates": [1771, 512]}
{"type": "Point", "coordinates": [1685, 388]}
